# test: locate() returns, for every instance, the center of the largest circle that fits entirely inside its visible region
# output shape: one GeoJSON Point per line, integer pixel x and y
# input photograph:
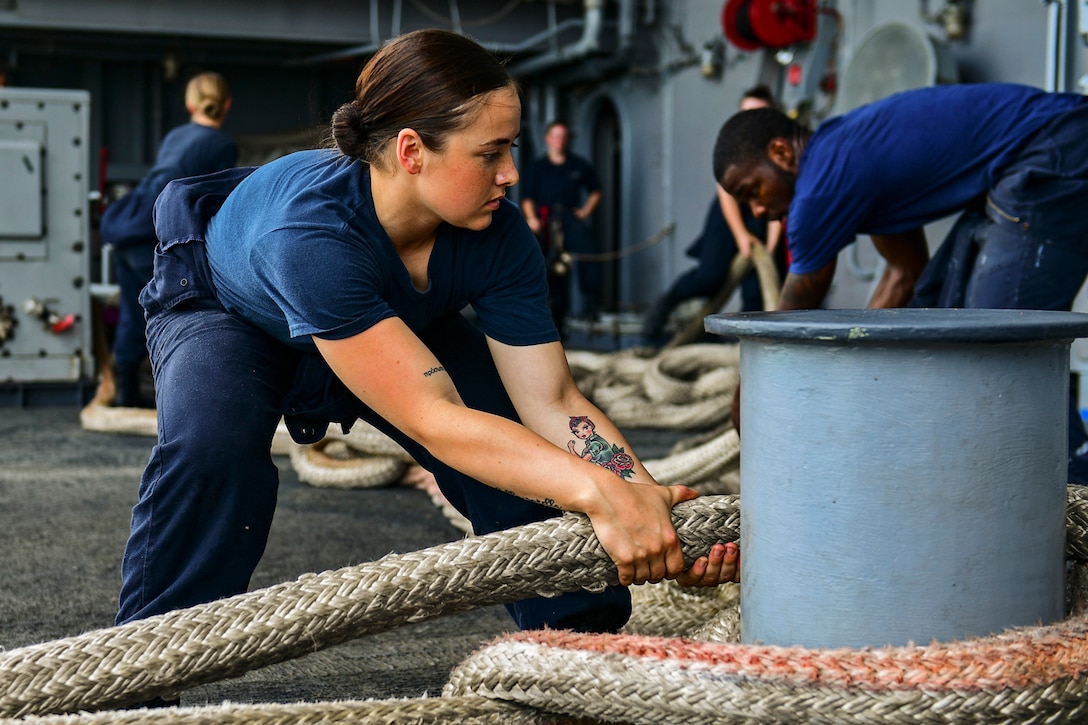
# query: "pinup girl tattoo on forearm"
{"type": "Point", "coordinates": [597, 449]}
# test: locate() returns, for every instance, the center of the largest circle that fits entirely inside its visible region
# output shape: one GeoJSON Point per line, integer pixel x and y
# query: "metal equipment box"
{"type": "Point", "coordinates": [45, 239]}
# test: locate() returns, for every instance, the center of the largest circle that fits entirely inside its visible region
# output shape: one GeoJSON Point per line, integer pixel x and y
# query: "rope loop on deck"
{"type": "Point", "coordinates": [171, 652]}
{"type": "Point", "coordinates": [1024, 675]}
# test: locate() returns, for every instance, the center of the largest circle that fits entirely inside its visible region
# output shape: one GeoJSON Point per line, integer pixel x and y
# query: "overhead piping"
{"type": "Point", "coordinates": [649, 15]}
{"type": "Point", "coordinates": [1057, 32]}
{"type": "Point", "coordinates": [355, 51]}
{"type": "Point", "coordinates": [455, 17]}
{"type": "Point", "coordinates": [627, 24]}
{"type": "Point", "coordinates": [588, 43]}
{"type": "Point", "coordinates": [533, 40]}
{"type": "Point", "coordinates": [523, 46]}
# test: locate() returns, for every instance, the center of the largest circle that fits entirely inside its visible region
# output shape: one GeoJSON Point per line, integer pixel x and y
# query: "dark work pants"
{"type": "Point", "coordinates": [133, 266]}
{"type": "Point", "coordinates": [209, 491]}
{"type": "Point", "coordinates": [578, 239]}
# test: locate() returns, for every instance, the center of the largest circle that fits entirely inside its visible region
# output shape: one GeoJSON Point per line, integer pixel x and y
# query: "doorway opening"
{"type": "Point", "coordinates": [607, 146]}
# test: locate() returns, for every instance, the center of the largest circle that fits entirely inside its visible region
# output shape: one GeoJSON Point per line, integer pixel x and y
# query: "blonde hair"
{"type": "Point", "coordinates": [208, 93]}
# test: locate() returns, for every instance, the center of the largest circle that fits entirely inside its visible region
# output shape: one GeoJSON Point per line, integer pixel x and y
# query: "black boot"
{"type": "Point", "coordinates": [127, 381]}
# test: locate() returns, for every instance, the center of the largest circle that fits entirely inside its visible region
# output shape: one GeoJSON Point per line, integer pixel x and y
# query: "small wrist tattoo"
{"type": "Point", "coordinates": [549, 502]}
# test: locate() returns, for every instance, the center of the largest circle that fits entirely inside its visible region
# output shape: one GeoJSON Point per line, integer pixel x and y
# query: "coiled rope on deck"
{"type": "Point", "coordinates": [1033, 675]}
{"type": "Point", "coordinates": [1026, 675]}
{"type": "Point", "coordinates": [99, 416]}
{"type": "Point", "coordinates": [414, 711]}
{"type": "Point", "coordinates": [1022, 675]}
{"type": "Point", "coordinates": [178, 650]}
{"type": "Point", "coordinates": [362, 458]}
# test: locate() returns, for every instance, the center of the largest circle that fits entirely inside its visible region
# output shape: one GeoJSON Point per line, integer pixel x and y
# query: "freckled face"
{"type": "Point", "coordinates": [465, 182]}
{"type": "Point", "coordinates": [764, 185]}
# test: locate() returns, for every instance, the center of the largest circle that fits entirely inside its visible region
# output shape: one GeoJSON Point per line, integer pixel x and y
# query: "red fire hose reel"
{"type": "Point", "coordinates": [754, 24]}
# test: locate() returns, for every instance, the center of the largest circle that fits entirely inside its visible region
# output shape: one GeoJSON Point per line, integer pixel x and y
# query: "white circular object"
{"type": "Point", "coordinates": [890, 58]}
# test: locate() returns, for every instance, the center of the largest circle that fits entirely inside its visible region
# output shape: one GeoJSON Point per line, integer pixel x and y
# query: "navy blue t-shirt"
{"type": "Point", "coordinates": [907, 160]}
{"type": "Point", "coordinates": [566, 184]}
{"type": "Point", "coordinates": [189, 150]}
{"type": "Point", "coordinates": [298, 250]}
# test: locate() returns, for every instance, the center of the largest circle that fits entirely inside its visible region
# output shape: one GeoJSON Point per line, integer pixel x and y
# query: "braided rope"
{"type": "Point", "coordinates": [717, 383]}
{"type": "Point", "coordinates": [679, 388]}
{"type": "Point", "coordinates": [666, 609]}
{"type": "Point", "coordinates": [671, 377]}
{"type": "Point", "coordinates": [178, 650]}
{"type": "Point", "coordinates": [697, 357]}
{"type": "Point", "coordinates": [664, 383]}
{"type": "Point", "coordinates": [699, 463]}
{"type": "Point", "coordinates": [659, 680]}
{"type": "Point", "coordinates": [1076, 523]}
{"type": "Point", "coordinates": [102, 418]}
{"type": "Point", "coordinates": [1023, 675]}
{"type": "Point", "coordinates": [634, 412]}
{"type": "Point", "coordinates": [98, 416]}
{"type": "Point", "coordinates": [630, 365]}
{"type": "Point", "coordinates": [720, 484]}
{"type": "Point", "coordinates": [694, 329]}
{"type": "Point", "coordinates": [326, 464]}
{"type": "Point", "coordinates": [723, 626]}
{"type": "Point", "coordinates": [417, 711]}
{"type": "Point", "coordinates": [770, 283]}
{"type": "Point", "coordinates": [609, 394]}
{"type": "Point", "coordinates": [585, 362]}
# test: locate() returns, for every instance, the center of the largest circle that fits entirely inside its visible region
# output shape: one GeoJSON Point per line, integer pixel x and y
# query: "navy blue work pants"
{"type": "Point", "coordinates": [209, 491]}
{"type": "Point", "coordinates": [578, 239]}
{"type": "Point", "coordinates": [133, 266]}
